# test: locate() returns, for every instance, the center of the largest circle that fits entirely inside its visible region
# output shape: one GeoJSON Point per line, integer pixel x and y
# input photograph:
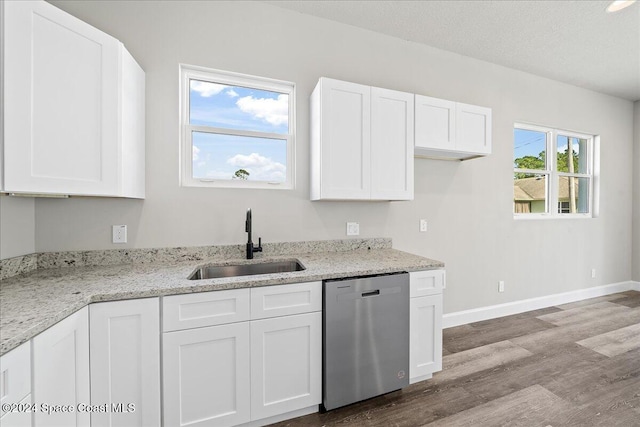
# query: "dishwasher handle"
{"type": "Point", "coordinates": [381, 292]}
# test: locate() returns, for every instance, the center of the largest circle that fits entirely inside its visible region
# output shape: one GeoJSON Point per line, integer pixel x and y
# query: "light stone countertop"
{"type": "Point", "coordinates": [32, 302]}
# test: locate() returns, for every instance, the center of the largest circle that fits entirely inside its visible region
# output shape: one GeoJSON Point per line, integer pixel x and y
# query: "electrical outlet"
{"type": "Point", "coordinates": [353, 229]}
{"type": "Point", "coordinates": [423, 225]}
{"type": "Point", "coordinates": [501, 286]}
{"type": "Point", "coordinates": [593, 273]}
{"type": "Point", "coordinates": [119, 234]}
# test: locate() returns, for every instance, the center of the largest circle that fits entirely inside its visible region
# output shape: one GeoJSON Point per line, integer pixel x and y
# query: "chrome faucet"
{"type": "Point", "coordinates": [250, 248]}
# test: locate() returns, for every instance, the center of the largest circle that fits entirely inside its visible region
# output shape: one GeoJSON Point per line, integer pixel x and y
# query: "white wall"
{"type": "Point", "coordinates": [468, 205]}
{"type": "Point", "coordinates": [17, 226]}
{"type": "Point", "coordinates": [636, 194]}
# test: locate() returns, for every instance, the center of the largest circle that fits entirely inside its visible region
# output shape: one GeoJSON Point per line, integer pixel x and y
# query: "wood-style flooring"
{"type": "Point", "coordinates": [576, 364]}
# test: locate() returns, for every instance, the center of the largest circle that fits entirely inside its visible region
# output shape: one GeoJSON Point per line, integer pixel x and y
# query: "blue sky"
{"type": "Point", "coordinates": [218, 156]}
{"type": "Point", "coordinates": [531, 143]}
{"type": "Point", "coordinates": [528, 143]}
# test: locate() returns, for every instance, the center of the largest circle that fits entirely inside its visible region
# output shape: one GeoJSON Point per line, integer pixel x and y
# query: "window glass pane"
{"type": "Point", "coordinates": [226, 157]}
{"type": "Point", "coordinates": [573, 192]}
{"type": "Point", "coordinates": [529, 193]}
{"type": "Point", "coordinates": [236, 107]}
{"type": "Point", "coordinates": [529, 149]}
{"type": "Point", "coordinates": [572, 147]}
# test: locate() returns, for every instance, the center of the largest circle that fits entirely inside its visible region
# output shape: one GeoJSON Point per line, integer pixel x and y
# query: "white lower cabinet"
{"type": "Point", "coordinates": [15, 386]}
{"type": "Point", "coordinates": [246, 371]}
{"type": "Point", "coordinates": [425, 342]}
{"type": "Point", "coordinates": [426, 337]}
{"type": "Point", "coordinates": [206, 376]}
{"type": "Point", "coordinates": [286, 364]}
{"type": "Point", "coordinates": [61, 372]}
{"type": "Point", "coordinates": [125, 362]}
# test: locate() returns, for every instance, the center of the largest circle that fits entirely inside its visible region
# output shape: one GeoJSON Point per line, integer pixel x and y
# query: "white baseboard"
{"type": "Point", "coordinates": [458, 318]}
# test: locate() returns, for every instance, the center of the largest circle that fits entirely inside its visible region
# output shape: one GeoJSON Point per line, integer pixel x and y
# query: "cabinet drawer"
{"type": "Point", "coordinates": [15, 375]}
{"type": "Point", "coordinates": [429, 282]}
{"type": "Point", "coordinates": [272, 301]}
{"type": "Point", "coordinates": [204, 309]}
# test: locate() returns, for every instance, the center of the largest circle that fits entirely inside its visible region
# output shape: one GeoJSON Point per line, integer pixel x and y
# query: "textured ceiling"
{"type": "Point", "coordinates": [575, 42]}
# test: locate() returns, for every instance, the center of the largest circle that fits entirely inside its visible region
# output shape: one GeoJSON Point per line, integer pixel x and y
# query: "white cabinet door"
{"type": "Point", "coordinates": [21, 418]}
{"type": "Point", "coordinates": [125, 362]}
{"type": "Point", "coordinates": [451, 130]}
{"type": "Point", "coordinates": [286, 364]}
{"type": "Point", "coordinates": [341, 139]}
{"type": "Point", "coordinates": [61, 103]}
{"type": "Point", "coordinates": [206, 376]}
{"type": "Point", "coordinates": [473, 129]}
{"type": "Point", "coordinates": [73, 105]}
{"type": "Point", "coordinates": [425, 345]}
{"type": "Point", "coordinates": [392, 143]}
{"type": "Point", "coordinates": [435, 123]}
{"type": "Point", "coordinates": [61, 371]}
{"type": "Point", "coordinates": [201, 309]}
{"type": "Point", "coordinates": [284, 300]}
{"type": "Point", "coordinates": [15, 385]}
{"type": "Point", "coordinates": [427, 282]}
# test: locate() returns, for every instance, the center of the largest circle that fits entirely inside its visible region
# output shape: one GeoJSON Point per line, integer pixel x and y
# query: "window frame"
{"type": "Point", "coordinates": [192, 72]}
{"type": "Point", "coordinates": [552, 174]}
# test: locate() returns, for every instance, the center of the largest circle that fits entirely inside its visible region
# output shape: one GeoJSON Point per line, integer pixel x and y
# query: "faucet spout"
{"type": "Point", "coordinates": [250, 248]}
{"type": "Point", "coordinates": [247, 224]}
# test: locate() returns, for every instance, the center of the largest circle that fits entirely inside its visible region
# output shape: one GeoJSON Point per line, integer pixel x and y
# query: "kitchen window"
{"type": "Point", "coordinates": [237, 131]}
{"type": "Point", "coordinates": [553, 173]}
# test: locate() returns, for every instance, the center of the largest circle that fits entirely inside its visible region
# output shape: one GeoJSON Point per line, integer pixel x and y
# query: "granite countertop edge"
{"type": "Point", "coordinates": [31, 303]}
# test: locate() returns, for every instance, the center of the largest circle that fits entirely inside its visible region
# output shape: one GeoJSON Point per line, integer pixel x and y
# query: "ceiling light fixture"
{"type": "Point", "coordinates": [617, 5]}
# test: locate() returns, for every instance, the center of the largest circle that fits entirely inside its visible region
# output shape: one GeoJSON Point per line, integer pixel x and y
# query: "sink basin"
{"type": "Point", "coordinates": [217, 271]}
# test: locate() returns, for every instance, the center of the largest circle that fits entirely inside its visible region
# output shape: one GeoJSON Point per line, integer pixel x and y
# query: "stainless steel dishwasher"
{"type": "Point", "coordinates": [365, 338]}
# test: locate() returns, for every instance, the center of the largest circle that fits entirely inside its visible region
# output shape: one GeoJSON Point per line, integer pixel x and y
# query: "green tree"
{"type": "Point", "coordinates": [563, 163]}
{"type": "Point", "coordinates": [532, 162]}
{"type": "Point", "coordinates": [241, 174]}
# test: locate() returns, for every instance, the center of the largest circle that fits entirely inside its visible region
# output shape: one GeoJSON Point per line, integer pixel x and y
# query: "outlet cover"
{"type": "Point", "coordinates": [423, 225]}
{"type": "Point", "coordinates": [501, 286]}
{"type": "Point", "coordinates": [119, 234]}
{"type": "Point", "coordinates": [353, 229]}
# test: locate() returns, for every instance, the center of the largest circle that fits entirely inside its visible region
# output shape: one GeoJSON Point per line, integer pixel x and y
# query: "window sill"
{"type": "Point", "coordinates": [525, 217]}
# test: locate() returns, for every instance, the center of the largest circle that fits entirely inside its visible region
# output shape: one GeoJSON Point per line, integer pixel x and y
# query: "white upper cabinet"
{"type": "Point", "coordinates": [451, 130]}
{"type": "Point", "coordinates": [391, 144]}
{"type": "Point", "coordinates": [340, 141]}
{"type": "Point", "coordinates": [361, 142]}
{"type": "Point", "coordinates": [435, 123]}
{"type": "Point", "coordinates": [473, 129]}
{"type": "Point", "coordinates": [73, 107]}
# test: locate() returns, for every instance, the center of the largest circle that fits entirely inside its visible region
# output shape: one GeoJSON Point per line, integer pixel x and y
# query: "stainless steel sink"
{"type": "Point", "coordinates": [217, 271]}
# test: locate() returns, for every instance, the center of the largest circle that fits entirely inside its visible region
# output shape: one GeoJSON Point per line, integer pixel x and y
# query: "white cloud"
{"type": "Point", "coordinates": [273, 111]}
{"type": "Point", "coordinates": [232, 93]}
{"type": "Point", "coordinates": [575, 147]}
{"type": "Point", "coordinates": [260, 168]}
{"type": "Point", "coordinates": [206, 89]}
{"type": "Point", "coordinates": [196, 153]}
